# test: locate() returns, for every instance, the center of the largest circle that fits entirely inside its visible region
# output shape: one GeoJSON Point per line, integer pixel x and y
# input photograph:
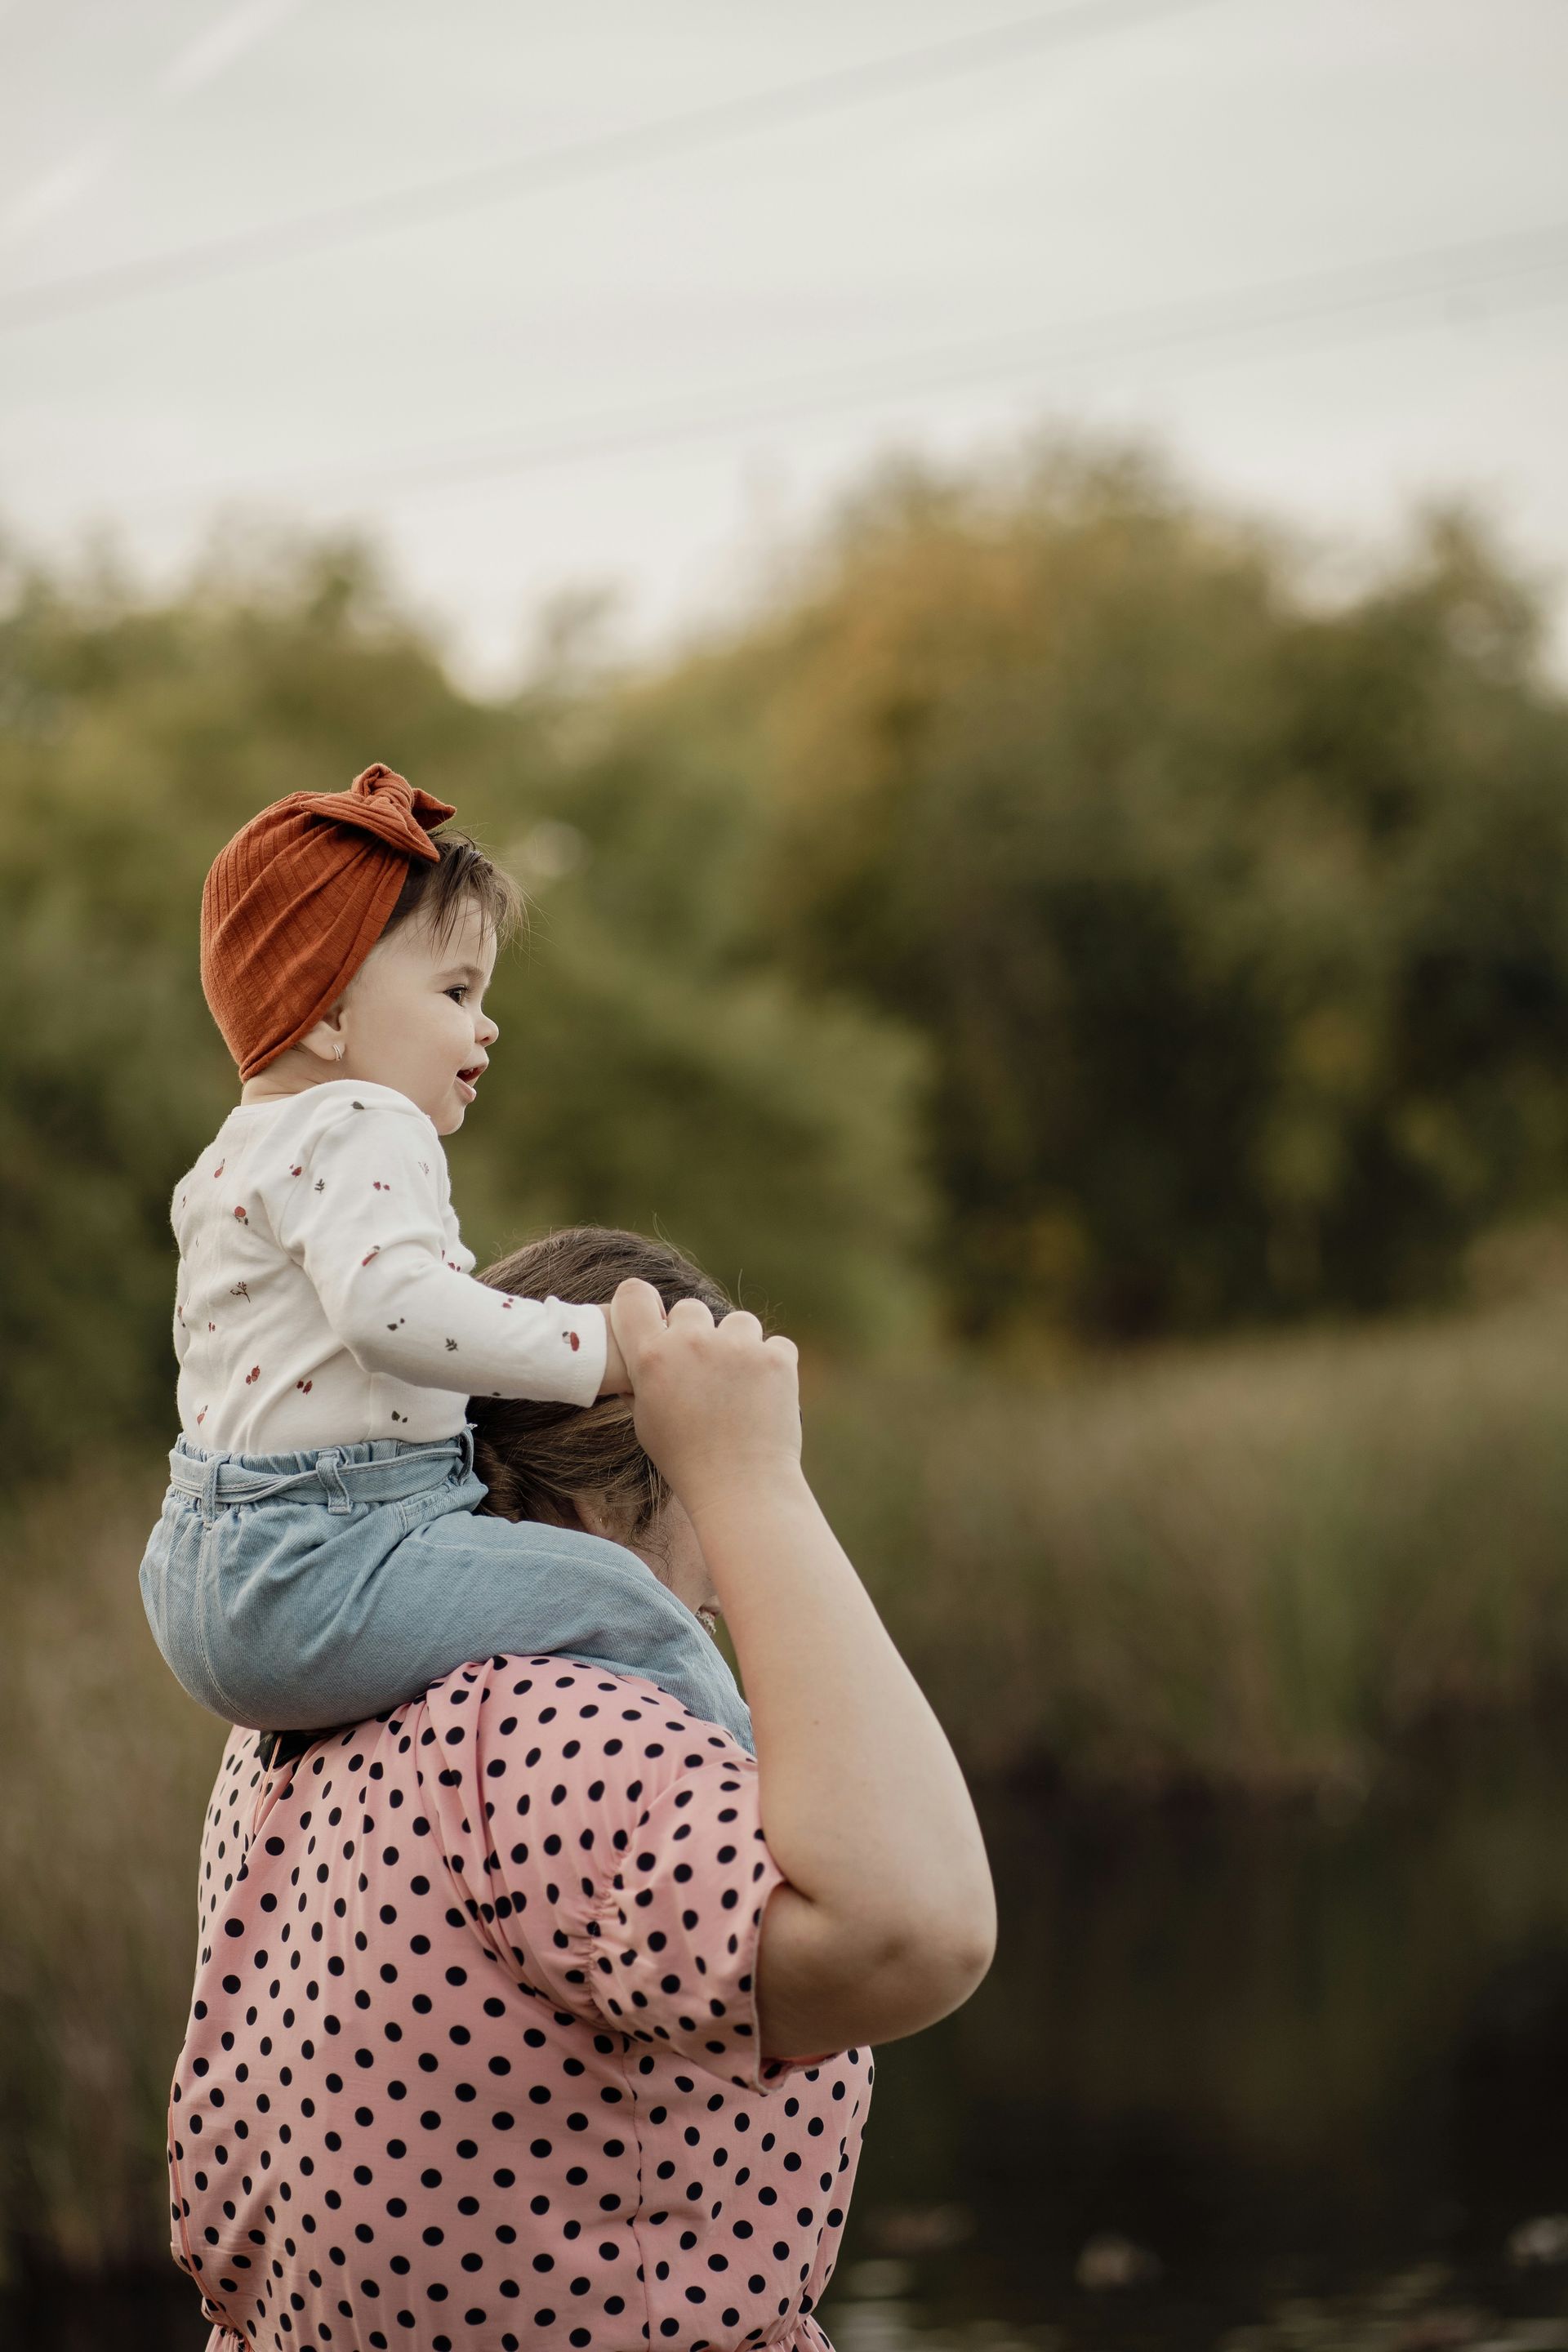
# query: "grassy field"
{"type": "Point", "coordinates": [1258, 1569]}
{"type": "Point", "coordinates": [109, 1766]}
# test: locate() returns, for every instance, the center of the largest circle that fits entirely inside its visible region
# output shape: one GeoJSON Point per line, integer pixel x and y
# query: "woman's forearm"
{"type": "Point", "coordinates": [888, 1918]}
{"type": "Point", "coordinates": [864, 1807]}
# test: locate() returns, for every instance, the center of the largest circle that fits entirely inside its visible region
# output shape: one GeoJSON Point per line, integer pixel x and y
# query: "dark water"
{"type": "Point", "coordinates": [1268, 2080]}
{"type": "Point", "coordinates": [1302, 2077]}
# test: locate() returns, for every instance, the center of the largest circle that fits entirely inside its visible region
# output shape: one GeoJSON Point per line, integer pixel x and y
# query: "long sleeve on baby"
{"type": "Point", "coordinates": [365, 1224]}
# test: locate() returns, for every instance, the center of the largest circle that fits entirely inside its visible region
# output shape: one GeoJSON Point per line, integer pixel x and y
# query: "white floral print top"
{"type": "Point", "coordinates": [325, 1294]}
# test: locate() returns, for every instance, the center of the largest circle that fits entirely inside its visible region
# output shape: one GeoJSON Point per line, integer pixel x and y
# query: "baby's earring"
{"type": "Point", "coordinates": [339, 1051]}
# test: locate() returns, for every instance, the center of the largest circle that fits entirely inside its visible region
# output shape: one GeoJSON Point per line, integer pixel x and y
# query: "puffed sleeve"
{"type": "Point", "coordinates": [670, 1953]}
{"type": "Point", "coordinates": [619, 1842]}
{"type": "Point", "coordinates": [364, 1222]}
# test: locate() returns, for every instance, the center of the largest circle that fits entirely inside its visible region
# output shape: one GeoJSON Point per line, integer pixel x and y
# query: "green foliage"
{"type": "Point", "coordinates": [1054, 852]}
{"type": "Point", "coordinates": [770, 1130]}
{"type": "Point", "coordinates": [694, 1105]}
{"type": "Point", "coordinates": [1236, 919]}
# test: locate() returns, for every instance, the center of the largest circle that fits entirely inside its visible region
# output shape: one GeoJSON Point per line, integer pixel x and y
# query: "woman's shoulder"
{"type": "Point", "coordinates": [521, 1760]}
{"type": "Point", "coordinates": [581, 1735]}
{"type": "Point", "coordinates": [609, 1846]}
{"type": "Point", "coordinates": [560, 1777]}
{"type": "Point", "coordinates": [604, 1732]}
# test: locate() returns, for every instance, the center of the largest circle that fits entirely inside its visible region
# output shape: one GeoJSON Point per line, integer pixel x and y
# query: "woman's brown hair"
{"type": "Point", "coordinates": [535, 1457]}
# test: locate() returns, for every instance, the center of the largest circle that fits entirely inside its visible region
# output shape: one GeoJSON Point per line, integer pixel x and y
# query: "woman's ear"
{"type": "Point", "coordinates": [593, 1519]}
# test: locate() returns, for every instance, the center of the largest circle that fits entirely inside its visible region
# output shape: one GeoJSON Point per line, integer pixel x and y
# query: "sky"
{"type": "Point", "coordinates": [623, 296]}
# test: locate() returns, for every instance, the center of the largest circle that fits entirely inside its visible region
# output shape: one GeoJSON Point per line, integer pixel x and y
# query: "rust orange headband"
{"type": "Point", "coordinates": [295, 903]}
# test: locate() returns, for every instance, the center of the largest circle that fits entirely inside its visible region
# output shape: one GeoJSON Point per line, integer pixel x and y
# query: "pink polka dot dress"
{"type": "Point", "coordinates": [473, 2063]}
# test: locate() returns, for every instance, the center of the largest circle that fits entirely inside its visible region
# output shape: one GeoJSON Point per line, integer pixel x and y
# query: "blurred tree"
{"type": "Point", "coordinates": [1201, 938]}
{"type": "Point", "coordinates": [1236, 919]}
{"type": "Point", "coordinates": [770, 1132]}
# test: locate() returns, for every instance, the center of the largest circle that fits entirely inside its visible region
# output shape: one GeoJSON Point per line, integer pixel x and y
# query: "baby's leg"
{"type": "Point", "coordinates": [464, 1587]}
{"type": "Point", "coordinates": [306, 1590]}
{"type": "Point", "coordinates": [282, 1613]}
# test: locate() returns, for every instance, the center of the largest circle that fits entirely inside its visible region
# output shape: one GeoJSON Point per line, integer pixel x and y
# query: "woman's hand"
{"type": "Point", "coordinates": [717, 1405]}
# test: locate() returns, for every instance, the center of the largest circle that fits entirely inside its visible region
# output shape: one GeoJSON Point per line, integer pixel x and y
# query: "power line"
{"type": "Point", "coordinates": [1448, 272]}
{"type": "Point", "coordinates": [580, 160]}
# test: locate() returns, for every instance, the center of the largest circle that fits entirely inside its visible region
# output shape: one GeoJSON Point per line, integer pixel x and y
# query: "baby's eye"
{"type": "Point", "coordinates": [460, 991]}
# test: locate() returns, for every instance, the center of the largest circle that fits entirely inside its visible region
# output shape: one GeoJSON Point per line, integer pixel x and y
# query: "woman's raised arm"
{"type": "Point", "coordinates": [888, 1920]}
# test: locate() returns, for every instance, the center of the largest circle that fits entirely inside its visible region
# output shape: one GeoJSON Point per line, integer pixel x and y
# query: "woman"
{"type": "Point", "coordinates": [511, 2008]}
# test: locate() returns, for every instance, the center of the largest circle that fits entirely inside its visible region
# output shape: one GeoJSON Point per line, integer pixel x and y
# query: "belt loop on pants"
{"type": "Point", "coordinates": [331, 1477]}
{"type": "Point", "coordinates": [465, 1441]}
{"type": "Point", "coordinates": [212, 1471]}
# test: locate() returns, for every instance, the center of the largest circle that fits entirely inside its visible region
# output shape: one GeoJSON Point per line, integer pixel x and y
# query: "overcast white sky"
{"type": "Point", "coordinates": [732, 328]}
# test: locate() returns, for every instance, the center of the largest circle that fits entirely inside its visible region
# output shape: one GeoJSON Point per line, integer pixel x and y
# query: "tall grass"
{"type": "Point", "coordinates": [1257, 1569]}
{"type": "Point", "coordinates": [106, 1767]}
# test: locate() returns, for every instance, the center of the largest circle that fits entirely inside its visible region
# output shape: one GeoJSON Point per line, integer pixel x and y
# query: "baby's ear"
{"type": "Point", "coordinates": [326, 1040]}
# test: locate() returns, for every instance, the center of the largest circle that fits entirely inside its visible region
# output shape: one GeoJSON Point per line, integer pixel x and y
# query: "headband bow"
{"type": "Point", "coordinates": [379, 802]}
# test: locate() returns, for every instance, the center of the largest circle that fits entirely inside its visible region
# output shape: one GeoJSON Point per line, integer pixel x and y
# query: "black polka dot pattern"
{"type": "Point", "coordinates": [472, 2061]}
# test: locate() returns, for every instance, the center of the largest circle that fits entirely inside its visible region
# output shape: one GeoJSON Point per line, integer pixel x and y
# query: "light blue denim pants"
{"type": "Point", "coordinates": [300, 1590]}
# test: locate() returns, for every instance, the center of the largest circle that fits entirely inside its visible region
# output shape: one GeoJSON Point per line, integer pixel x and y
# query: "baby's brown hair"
{"type": "Point", "coordinates": [438, 890]}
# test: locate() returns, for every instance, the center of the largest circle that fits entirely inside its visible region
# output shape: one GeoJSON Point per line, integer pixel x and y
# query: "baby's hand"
{"type": "Point", "coordinates": [618, 1379]}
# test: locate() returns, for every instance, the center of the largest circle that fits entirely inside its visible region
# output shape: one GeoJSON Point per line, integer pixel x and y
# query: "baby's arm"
{"type": "Point", "coordinates": [363, 1215]}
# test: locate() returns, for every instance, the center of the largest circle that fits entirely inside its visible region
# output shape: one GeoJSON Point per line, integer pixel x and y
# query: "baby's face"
{"type": "Point", "coordinates": [413, 1016]}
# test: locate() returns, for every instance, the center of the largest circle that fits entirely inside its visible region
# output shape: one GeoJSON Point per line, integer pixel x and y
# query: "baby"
{"type": "Point", "coordinates": [316, 1560]}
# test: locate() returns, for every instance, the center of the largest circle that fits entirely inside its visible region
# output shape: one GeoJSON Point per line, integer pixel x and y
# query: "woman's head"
{"type": "Point", "coordinates": [571, 1467]}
